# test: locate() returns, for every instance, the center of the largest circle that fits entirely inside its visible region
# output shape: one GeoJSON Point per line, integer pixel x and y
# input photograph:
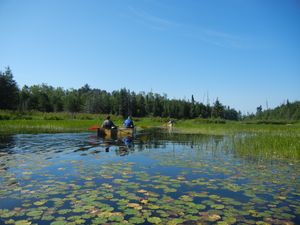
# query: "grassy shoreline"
{"type": "Point", "coordinates": [38, 122]}
{"type": "Point", "coordinates": [181, 126]}
{"type": "Point", "coordinates": [267, 140]}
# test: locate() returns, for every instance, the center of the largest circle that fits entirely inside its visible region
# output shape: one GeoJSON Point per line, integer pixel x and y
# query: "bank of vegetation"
{"type": "Point", "coordinates": [43, 108]}
{"type": "Point", "coordinates": [45, 98]}
{"type": "Point", "coordinates": [249, 139]}
{"type": "Point", "coordinates": [288, 111]}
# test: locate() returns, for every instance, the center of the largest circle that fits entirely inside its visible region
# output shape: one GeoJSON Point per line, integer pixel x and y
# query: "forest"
{"type": "Point", "coordinates": [45, 98]}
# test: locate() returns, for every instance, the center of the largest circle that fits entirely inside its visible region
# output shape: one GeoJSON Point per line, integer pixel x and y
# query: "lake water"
{"type": "Point", "coordinates": [155, 178]}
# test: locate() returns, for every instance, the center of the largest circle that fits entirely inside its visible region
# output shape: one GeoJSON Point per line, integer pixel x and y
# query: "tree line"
{"type": "Point", "coordinates": [286, 111]}
{"type": "Point", "coordinates": [122, 102]}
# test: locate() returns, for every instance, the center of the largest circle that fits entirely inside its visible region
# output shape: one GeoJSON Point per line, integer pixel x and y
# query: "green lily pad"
{"type": "Point", "coordinates": [169, 190]}
{"type": "Point", "coordinates": [10, 221]}
{"type": "Point", "coordinates": [47, 217]}
{"type": "Point", "coordinates": [186, 198]}
{"type": "Point", "coordinates": [222, 223]}
{"type": "Point", "coordinates": [229, 220]}
{"type": "Point", "coordinates": [34, 213]}
{"type": "Point", "coordinates": [191, 217]}
{"type": "Point", "coordinates": [99, 220]}
{"type": "Point", "coordinates": [154, 220]}
{"type": "Point", "coordinates": [213, 217]}
{"type": "Point", "coordinates": [136, 220]}
{"type": "Point", "coordinates": [22, 222]}
{"type": "Point", "coordinates": [39, 203]}
{"type": "Point", "coordinates": [261, 223]}
{"type": "Point", "coordinates": [175, 221]}
{"type": "Point", "coordinates": [152, 206]}
{"type": "Point", "coordinates": [79, 221]}
{"type": "Point", "coordinates": [131, 211]}
{"type": "Point", "coordinates": [200, 206]}
{"type": "Point", "coordinates": [116, 218]}
{"type": "Point", "coordinates": [58, 223]}
{"type": "Point", "coordinates": [217, 206]}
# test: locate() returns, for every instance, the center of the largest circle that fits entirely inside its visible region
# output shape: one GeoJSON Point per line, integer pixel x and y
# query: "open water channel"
{"type": "Point", "coordinates": [154, 178]}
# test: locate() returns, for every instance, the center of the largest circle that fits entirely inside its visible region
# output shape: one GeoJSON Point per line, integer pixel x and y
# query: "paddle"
{"type": "Point", "coordinates": [94, 127]}
{"type": "Point", "coordinates": [126, 130]}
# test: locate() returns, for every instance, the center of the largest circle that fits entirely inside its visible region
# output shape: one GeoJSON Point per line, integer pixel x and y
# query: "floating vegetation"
{"type": "Point", "coordinates": [45, 181]}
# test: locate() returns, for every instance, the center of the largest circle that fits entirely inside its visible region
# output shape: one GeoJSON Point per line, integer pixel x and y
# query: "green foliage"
{"type": "Point", "coordinates": [123, 102]}
{"type": "Point", "coordinates": [73, 101]}
{"type": "Point", "coordinates": [4, 117]}
{"type": "Point", "coordinates": [8, 90]}
{"type": "Point", "coordinates": [276, 122]}
{"type": "Point", "coordinates": [45, 98]}
{"type": "Point", "coordinates": [285, 112]}
{"type": "Point", "coordinates": [201, 121]}
{"type": "Point", "coordinates": [218, 110]}
{"type": "Point", "coordinates": [269, 146]}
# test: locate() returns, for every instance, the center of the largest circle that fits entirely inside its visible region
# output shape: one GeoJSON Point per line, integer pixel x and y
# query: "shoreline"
{"type": "Point", "coordinates": [189, 126]}
{"type": "Point", "coordinates": [259, 139]}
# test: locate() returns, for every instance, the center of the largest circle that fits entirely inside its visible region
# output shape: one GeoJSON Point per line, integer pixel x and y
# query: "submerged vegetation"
{"type": "Point", "coordinates": [162, 179]}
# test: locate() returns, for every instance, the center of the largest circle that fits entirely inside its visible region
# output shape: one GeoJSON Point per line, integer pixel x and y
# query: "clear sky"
{"type": "Point", "coordinates": [245, 52]}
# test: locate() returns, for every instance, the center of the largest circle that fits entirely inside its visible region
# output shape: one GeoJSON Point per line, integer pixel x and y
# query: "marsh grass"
{"type": "Point", "coordinates": [268, 145]}
{"type": "Point", "coordinates": [16, 122]}
{"type": "Point", "coordinates": [12, 122]}
{"type": "Point", "coordinates": [249, 139]}
{"type": "Point", "coordinates": [252, 140]}
{"type": "Point", "coordinates": [43, 126]}
{"type": "Point", "coordinates": [233, 127]}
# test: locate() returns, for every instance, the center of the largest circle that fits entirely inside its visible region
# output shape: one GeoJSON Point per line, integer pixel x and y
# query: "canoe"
{"type": "Point", "coordinates": [115, 133]}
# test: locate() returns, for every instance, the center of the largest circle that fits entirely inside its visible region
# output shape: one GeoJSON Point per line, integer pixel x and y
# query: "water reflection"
{"type": "Point", "coordinates": [87, 143]}
{"type": "Point", "coordinates": [154, 177]}
{"type": "Point", "coordinates": [57, 143]}
{"type": "Point", "coordinates": [6, 142]}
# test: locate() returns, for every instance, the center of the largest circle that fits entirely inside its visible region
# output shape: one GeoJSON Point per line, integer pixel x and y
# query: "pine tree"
{"type": "Point", "coordinates": [9, 91]}
{"type": "Point", "coordinates": [218, 110]}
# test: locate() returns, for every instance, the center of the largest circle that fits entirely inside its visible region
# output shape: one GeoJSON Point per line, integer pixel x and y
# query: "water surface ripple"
{"type": "Point", "coordinates": [154, 178]}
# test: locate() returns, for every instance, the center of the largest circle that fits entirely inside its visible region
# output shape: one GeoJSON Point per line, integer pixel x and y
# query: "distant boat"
{"type": "Point", "coordinates": [115, 133]}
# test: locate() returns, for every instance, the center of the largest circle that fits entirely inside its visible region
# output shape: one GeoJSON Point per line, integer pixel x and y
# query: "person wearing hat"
{"type": "Point", "coordinates": [128, 123]}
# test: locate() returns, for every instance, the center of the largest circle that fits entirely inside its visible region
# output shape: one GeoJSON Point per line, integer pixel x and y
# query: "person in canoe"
{"type": "Point", "coordinates": [128, 123]}
{"type": "Point", "coordinates": [170, 123]}
{"type": "Point", "coordinates": [108, 124]}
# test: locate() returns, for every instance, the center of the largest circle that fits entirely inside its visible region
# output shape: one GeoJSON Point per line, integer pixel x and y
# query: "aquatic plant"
{"type": "Point", "coordinates": [183, 179]}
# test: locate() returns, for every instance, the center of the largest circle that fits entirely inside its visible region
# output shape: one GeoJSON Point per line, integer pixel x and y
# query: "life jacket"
{"type": "Point", "coordinates": [128, 123]}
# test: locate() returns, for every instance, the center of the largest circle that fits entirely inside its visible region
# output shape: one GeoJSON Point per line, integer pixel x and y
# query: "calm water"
{"type": "Point", "coordinates": [156, 178]}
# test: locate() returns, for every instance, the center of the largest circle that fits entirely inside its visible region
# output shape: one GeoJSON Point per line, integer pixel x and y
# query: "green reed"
{"type": "Point", "coordinates": [268, 145]}
{"type": "Point", "coordinates": [248, 139]}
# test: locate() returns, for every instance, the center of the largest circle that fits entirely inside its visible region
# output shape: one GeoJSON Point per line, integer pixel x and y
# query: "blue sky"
{"type": "Point", "coordinates": [245, 52]}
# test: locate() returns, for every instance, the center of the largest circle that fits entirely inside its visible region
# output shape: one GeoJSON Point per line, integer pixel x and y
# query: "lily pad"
{"type": "Point", "coordinates": [217, 206]}
{"type": "Point", "coordinates": [154, 220]}
{"type": "Point", "coordinates": [135, 206]}
{"type": "Point", "coordinates": [58, 223]}
{"type": "Point", "coordinates": [39, 203]}
{"type": "Point", "coordinates": [136, 220]}
{"type": "Point", "coordinates": [22, 222]}
{"type": "Point", "coordinates": [34, 213]}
